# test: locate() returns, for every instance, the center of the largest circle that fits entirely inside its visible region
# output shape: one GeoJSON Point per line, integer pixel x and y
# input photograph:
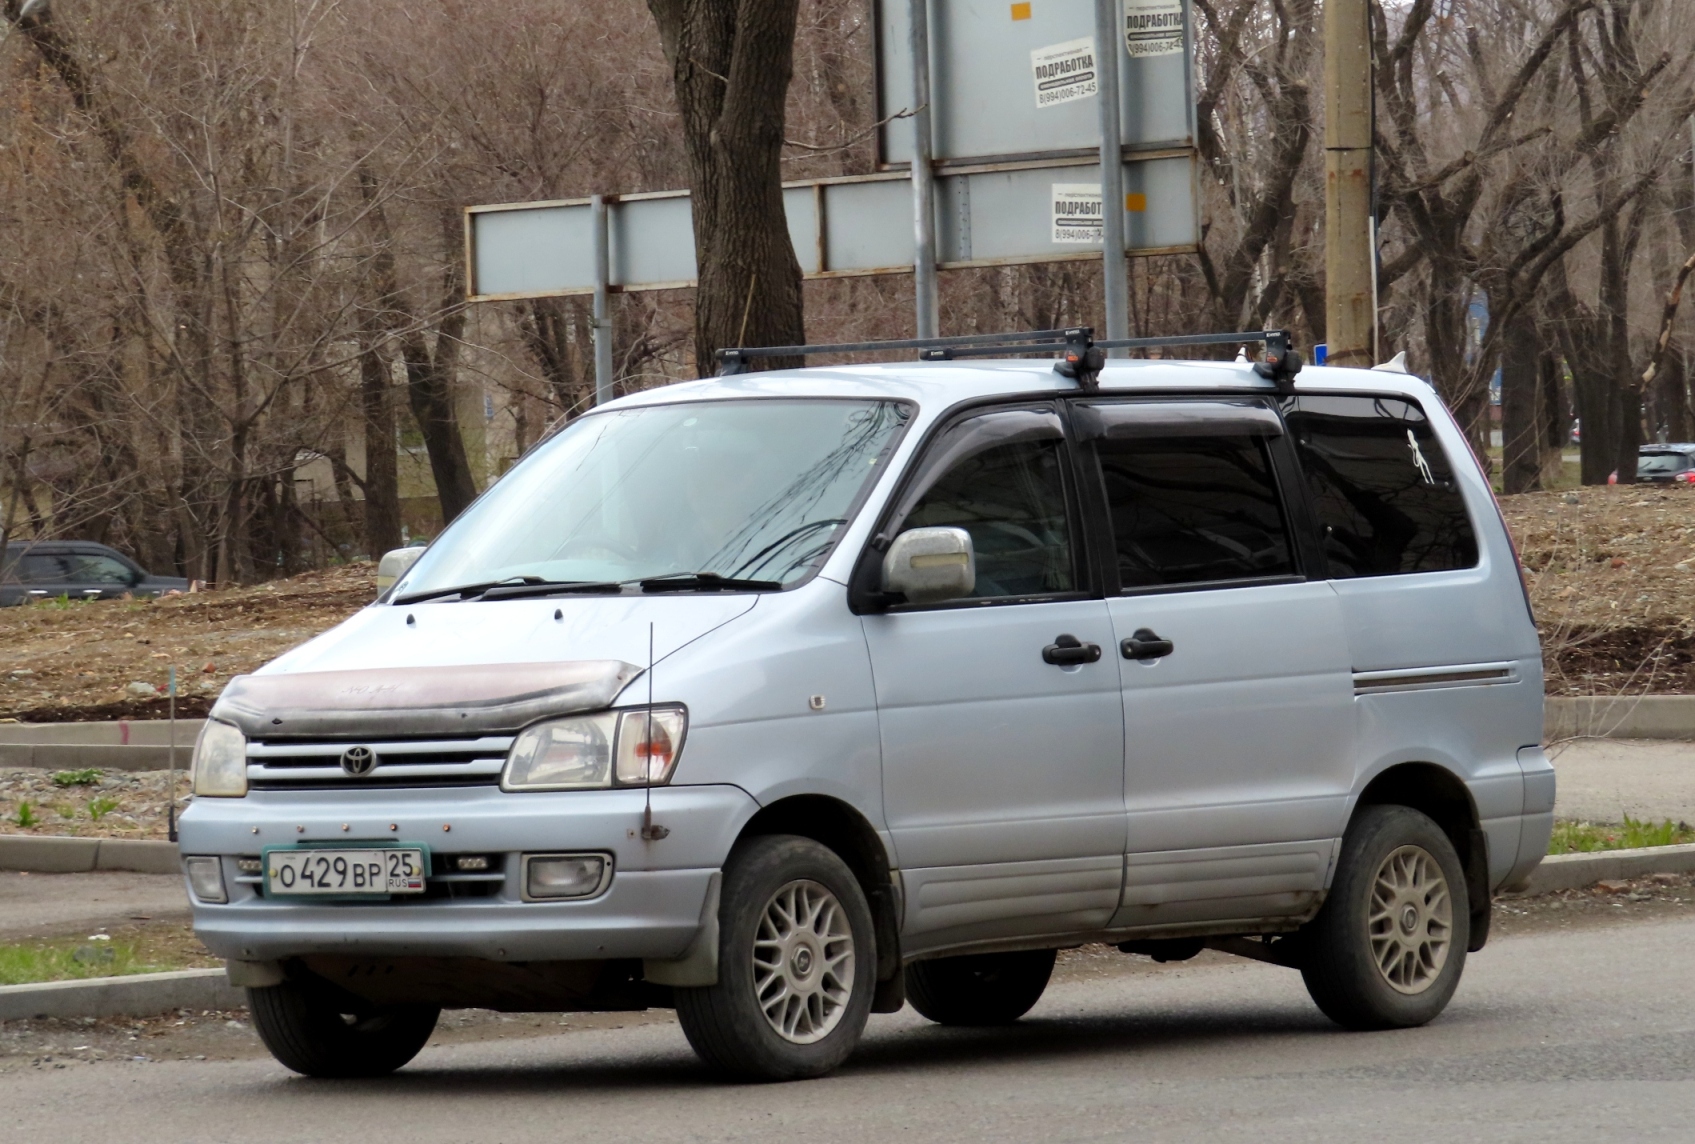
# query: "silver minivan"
{"type": "Point", "coordinates": [786, 698]}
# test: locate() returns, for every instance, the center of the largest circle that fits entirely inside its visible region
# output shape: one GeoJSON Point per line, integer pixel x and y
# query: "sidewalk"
{"type": "Point", "coordinates": [66, 905]}
{"type": "Point", "coordinates": [1602, 780]}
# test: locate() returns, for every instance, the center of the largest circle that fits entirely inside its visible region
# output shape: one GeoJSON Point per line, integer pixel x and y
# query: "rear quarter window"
{"type": "Point", "coordinates": [1382, 487]}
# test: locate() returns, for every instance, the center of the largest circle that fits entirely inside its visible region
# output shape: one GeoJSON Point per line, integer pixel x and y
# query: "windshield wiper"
{"type": "Point", "coordinates": [512, 587]}
{"type": "Point", "coordinates": [464, 591]}
{"type": "Point", "coordinates": [705, 582]}
{"type": "Point", "coordinates": [551, 588]}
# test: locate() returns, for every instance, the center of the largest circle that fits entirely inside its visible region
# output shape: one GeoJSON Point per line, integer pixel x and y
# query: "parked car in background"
{"type": "Point", "coordinates": [78, 569]}
{"type": "Point", "coordinates": [1666, 464]}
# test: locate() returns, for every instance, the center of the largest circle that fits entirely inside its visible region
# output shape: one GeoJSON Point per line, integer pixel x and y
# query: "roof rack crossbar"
{"type": "Point", "coordinates": [1188, 340]}
{"type": "Point", "coordinates": [1081, 359]}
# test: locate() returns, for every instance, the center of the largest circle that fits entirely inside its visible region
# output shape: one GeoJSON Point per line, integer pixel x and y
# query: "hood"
{"type": "Point", "coordinates": [468, 668]}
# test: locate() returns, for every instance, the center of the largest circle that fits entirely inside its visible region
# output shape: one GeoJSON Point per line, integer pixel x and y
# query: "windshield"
{"type": "Point", "coordinates": [1661, 463]}
{"type": "Point", "coordinates": [754, 489]}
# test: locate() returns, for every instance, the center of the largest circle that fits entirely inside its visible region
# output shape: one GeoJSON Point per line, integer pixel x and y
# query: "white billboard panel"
{"type": "Point", "coordinates": [995, 214]}
{"type": "Point", "coordinates": [982, 111]}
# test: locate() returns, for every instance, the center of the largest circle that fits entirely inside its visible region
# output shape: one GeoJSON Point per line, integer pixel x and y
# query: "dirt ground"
{"type": "Point", "coordinates": [110, 659]}
{"type": "Point", "coordinates": [206, 1035]}
{"type": "Point", "coordinates": [1611, 573]}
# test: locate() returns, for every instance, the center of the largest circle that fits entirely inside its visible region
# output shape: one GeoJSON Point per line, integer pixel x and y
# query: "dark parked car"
{"type": "Point", "coordinates": [1666, 464]}
{"type": "Point", "coordinates": [79, 569]}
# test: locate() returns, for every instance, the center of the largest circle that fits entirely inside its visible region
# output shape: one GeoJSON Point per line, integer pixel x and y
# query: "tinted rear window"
{"type": "Point", "coordinates": [1384, 490]}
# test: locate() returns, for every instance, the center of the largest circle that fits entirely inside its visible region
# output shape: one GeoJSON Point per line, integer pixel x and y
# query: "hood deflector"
{"type": "Point", "coordinates": [467, 700]}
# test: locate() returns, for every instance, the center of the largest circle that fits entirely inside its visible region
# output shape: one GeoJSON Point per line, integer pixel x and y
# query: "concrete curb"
{"type": "Point", "coordinates": [119, 745]}
{"type": "Point", "coordinates": [1619, 717]}
{"type": "Point", "coordinates": [82, 756]}
{"type": "Point", "coordinates": [1574, 871]}
{"type": "Point", "coordinates": [50, 854]}
{"type": "Point", "coordinates": [140, 995]}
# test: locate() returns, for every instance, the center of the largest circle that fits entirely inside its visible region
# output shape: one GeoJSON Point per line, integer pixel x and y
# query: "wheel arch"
{"type": "Point", "coordinates": [843, 829]}
{"type": "Point", "coordinates": [1440, 794]}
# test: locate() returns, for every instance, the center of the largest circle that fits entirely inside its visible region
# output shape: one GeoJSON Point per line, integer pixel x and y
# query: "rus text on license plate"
{"type": "Point", "coordinates": [340, 872]}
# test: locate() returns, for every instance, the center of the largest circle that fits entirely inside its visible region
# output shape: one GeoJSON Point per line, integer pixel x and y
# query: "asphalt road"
{"type": "Point", "coordinates": [1578, 1034]}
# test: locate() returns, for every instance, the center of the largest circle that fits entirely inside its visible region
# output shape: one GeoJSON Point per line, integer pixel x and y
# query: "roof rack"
{"type": "Point", "coordinates": [1081, 356]}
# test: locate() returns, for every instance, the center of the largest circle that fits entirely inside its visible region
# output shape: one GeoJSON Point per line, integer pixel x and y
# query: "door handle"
{"type": "Point", "coordinates": [1068, 649]}
{"type": "Point", "coordinates": [1145, 644]}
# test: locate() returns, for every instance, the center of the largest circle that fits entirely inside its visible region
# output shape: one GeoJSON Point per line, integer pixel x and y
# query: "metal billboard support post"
{"type": "Point", "coordinates": [1115, 271]}
{"type": "Point", "coordinates": [602, 300]}
{"type": "Point", "coordinates": [923, 176]}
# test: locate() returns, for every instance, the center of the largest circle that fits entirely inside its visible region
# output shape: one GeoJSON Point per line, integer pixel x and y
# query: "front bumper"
{"type": "Point", "coordinates": [651, 908]}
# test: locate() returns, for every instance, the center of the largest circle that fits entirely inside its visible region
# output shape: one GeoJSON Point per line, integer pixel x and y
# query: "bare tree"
{"type": "Point", "coordinates": [730, 66]}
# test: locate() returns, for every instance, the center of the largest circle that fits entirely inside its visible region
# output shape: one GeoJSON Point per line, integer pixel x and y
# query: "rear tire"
{"type": "Point", "coordinates": [311, 1030]}
{"type": "Point", "coordinates": [1387, 949]}
{"type": "Point", "coordinates": [979, 988]}
{"type": "Point", "coordinates": [797, 965]}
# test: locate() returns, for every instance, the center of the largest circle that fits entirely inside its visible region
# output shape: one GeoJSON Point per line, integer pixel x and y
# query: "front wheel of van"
{"type": "Point", "coordinates": [1387, 949]}
{"type": "Point", "coordinates": [979, 988]}
{"type": "Point", "coordinates": [797, 964]}
{"type": "Point", "coordinates": [307, 1030]}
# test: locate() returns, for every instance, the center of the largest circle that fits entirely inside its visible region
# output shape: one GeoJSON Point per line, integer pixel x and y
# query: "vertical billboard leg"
{"type": "Point", "coordinates": [1116, 274]}
{"type": "Point", "coordinates": [923, 176]}
{"type": "Point", "coordinates": [602, 301]}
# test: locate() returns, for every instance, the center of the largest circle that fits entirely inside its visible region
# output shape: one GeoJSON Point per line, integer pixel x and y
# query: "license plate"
{"type": "Point", "coordinates": [343, 873]}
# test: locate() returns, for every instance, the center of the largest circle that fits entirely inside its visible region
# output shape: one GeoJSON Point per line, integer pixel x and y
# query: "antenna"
{"type": "Point", "coordinates": [171, 802]}
{"type": "Point", "coordinates": [650, 832]}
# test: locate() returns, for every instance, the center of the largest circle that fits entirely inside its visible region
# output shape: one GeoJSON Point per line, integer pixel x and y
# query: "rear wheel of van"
{"type": "Point", "coordinates": [309, 1029]}
{"type": "Point", "coordinates": [1387, 949]}
{"type": "Point", "coordinates": [979, 988]}
{"type": "Point", "coordinates": [797, 964]}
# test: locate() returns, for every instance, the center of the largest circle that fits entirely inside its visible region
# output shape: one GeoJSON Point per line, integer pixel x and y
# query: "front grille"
{"type": "Point", "coordinates": [317, 765]}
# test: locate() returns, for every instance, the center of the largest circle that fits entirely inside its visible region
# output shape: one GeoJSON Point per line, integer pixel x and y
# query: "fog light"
{"type": "Point", "coordinates": [206, 879]}
{"type": "Point", "coordinates": [552, 876]}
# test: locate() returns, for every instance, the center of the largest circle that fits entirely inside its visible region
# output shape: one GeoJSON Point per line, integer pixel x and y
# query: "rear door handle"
{"type": "Point", "coordinates": [1145, 644]}
{"type": "Point", "coordinates": [1068, 649]}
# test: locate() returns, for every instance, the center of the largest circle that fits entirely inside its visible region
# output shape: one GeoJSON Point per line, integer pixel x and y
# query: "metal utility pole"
{"type": "Point", "coordinates": [1350, 310]}
{"type": "Point", "coordinates": [923, 174]}
{"type": "Point", "coordinates": [600, 222]}
{"type": "Point", "coordinates": [1116, 280]}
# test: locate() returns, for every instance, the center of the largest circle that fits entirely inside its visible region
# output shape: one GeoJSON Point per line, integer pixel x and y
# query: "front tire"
{"type": "Point", "coordinates": [1387, 949]}
{"type": "Point", "coordinates": [979, 988]}
{"type": "Point", "coordinates": [314, 1031]}
{"type": "Point", "coordinates": [797, 964]}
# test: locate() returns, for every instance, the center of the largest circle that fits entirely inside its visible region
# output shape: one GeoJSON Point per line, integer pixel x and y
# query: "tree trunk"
{"type": "Point", "coordinates": [730, 65]}
{"type": "Point", "coordinates": [1521, 359]}
{"type": "Point", "coordinates": [429, 372]}
{"type": "Point", "coordinates": [382, 472]}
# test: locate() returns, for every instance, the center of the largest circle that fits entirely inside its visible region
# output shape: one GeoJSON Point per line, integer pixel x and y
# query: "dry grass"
{"type": "Point", "coordinates": [1611, 573]}
{"type": "Point", "coordinates": [62, 661]}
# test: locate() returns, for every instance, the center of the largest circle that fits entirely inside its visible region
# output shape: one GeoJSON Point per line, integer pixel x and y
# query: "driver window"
{"type": "Point", "coordinates": [999, 477]}
{"type": "Point", "coordinates": [96, 569]}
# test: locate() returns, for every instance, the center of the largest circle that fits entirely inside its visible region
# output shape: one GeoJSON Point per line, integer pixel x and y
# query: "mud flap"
{"type": "Point", "coordinates": [1477, 889]}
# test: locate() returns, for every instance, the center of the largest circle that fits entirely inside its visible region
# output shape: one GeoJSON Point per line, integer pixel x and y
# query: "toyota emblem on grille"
{"type": "Point", "coordinates": [358, 761]}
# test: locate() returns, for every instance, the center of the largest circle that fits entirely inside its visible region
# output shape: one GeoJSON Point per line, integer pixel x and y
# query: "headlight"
{"type": "Point", "coordinates": [220, 762]}
{"type": "Point", "coordinates": [593, 752]}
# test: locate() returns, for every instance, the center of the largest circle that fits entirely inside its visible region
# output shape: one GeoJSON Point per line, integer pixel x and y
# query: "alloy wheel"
{"type": "Point", "coordinates": [803, 962]}
{"type": "Point", "coordinates": [1411, 919]}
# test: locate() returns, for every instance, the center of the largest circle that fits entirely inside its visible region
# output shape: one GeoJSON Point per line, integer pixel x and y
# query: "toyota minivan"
{"type": "Point", "coordinates": [786, 698]}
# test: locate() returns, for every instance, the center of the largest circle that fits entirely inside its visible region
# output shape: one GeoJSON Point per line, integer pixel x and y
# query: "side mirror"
{"type": "Point", "coordinates": [394, 565]}
{"type": "Point", "coordinates": [929, 565]}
